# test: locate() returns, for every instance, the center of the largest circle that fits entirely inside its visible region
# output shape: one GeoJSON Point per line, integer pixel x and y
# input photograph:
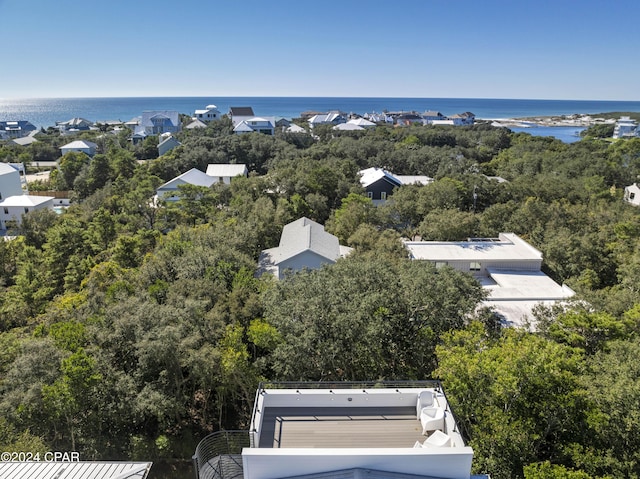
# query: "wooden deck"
{"type": "Point", "coordinates": [342, 428]}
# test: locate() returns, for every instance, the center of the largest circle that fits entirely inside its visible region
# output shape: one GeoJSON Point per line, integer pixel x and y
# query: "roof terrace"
{"type": "Point", "coordinates": [405, 428]}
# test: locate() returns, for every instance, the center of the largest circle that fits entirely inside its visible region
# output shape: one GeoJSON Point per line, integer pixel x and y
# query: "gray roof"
{"type": "Point", "coordinates": [193, 177]}
{"type": "Point", "coordinates": [241, 111]}
{"type": "Point", "coordinates": [73, 470]}
{"type": "Point", "coordinates": [172, 115]}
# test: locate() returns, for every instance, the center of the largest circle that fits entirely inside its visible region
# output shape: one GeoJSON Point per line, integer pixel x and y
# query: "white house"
{"type": "Point", "coordinates": [625, 127]}
{"type": "Point", "coordinates": [80, 146]}
{"type": "Point", "coordinates": [13, 207]}
{"type": "Point", "coordinates": [210, 113]}
{"type": "Point", "coordinates": [304, 244]}
{"type": "Point", "coordinates": [266, 125]}
{"type": "Point", "coordinates": [74, 125]}
{"type": "Point", "coordinates": [632, 194]}
{"type": "Point", "coordinates": [167, 143]}
{"type": "Point", "coordinates": [362, 122]}
{"type": "Point", "coordinates": [225, 172]}
{"type": "Point", "coordinates": [508, 267]}
{"type": "Point", "coordinates": [10, 181]}
{"type": "Point", "coordinates": [323, 430]}
{"type": "Point", "coordinates": [195, 124]}
{"type": "Point", "coordinates": [194, 177]}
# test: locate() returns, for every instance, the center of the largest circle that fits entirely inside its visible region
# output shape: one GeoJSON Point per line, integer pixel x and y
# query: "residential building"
{"type": "Point", "coordinates": [167, 143]}
{"type": "Point", "coordinates": [225, 172]}
{"type": "Point", "coordinates": [430, 116]}
{"type": "Point", "coordinates": [210, 113]}
{"type": "Point", "coordinates": [10, 181]}
{"type": "Point", "coordinates": [256, 124]}
{"type": "Point", "coordinates": [379, 183]}
{"type": "Point", "coordinates": [74, 125]}
{"type": "Point", "coordinates": [12, 129]}
{"type": "Point", "coordinates": [80, 146]}
{"type": "Point", "coordinates": [362, 122]}
{"type": "Point", "coordinates": [333, 117]}
{"type": "Point", "coordinates": [304, 244]}
{"type": "Point", "coordinates": [195, 124]}
{"type": "Point", "coordinates": [632, 194]}
{"type": "Point", "coordinates": [508, 267]}
{"type": "Point", "coordinates": [24, 140]}
{"type": "Point", "coordinates": [13, 207]}
{"type": "Point", "coordinates": [194, 176]}
{"type": "Point", "coordinates": [375, 430]}
{"type": "Point", "coordinates": [625, 128]}
{"type": "Point", "coordinates": [406, 119]}
{"type": "Point", "coordinates": [156, 122]}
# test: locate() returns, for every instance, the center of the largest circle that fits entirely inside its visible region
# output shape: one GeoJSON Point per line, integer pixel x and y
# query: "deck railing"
{"type": "Point", "coordinates": [219, 455]}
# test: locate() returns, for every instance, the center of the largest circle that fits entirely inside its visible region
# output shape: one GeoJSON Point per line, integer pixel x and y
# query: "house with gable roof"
{"type": "Point", "coordinates": [80, 146]}
{"type": "Point", "coordinates": [167, 143]}
{"type": "Point", "coordinates": [333, 117]}
{"type": "Point", "coordinates": [256, 124]}
{"type": "Point", "coordinates": [74, 125]}
{"type": "Point", "coordinates": [194, 176]}
{"type": "Point", "coordinates": [13, 207]}
{"type": "Point", "coordinates": [632, 194]}
{"type": "Point", "coordinates": [210, 113]}
{"type": "Point", "coordinates": [10, 181]}
{"type": "Point", "coordinates": [378, 183]}
{"type": "Point", "coordinates": [13, 129]}
{"type": "Point", "coordinates": [225, 172]}
{"type": "Point", "coordinates": [304, 244]}
{"type": "Point", "coordinates": [156, 122]}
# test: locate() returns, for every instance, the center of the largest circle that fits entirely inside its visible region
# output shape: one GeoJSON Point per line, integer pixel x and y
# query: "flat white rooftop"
{"type": "Point", "coordinates": [507, 247]}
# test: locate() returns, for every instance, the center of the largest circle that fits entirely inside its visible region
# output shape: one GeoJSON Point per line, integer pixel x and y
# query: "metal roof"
{"type": "Point", "coordinates": [74, 470]}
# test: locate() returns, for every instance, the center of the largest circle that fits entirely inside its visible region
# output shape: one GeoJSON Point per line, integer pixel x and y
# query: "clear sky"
{"type": "Point", "coordinates": [542, 49]}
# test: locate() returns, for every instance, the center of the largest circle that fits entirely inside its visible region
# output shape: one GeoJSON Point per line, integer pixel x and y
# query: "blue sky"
{"type": "Point", "coordinates": [547, 49]}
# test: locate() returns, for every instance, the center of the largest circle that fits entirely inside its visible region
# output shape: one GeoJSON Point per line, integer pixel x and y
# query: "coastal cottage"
{"type": "Point", "coordinates": [626, 128]}
{"type": "Point", "coordinates": [379, 183]}
{"type": "Point", "coordinates": [10, 181]}
{"type": "Point", "coordinates": [431, 116]}
{"type": "Point", "coordinates": [156, 122]}
{"type": "Point", "coordinates": [333, 117]}
{"type": "Point", "coordinates": [304, 244]}
{"type": "Point", "coordinates": [167, 143]}
{"type": "Point", "coordinates": [225, 172]}
{"type": "Point", "coordinates": [14, 207]}
{"type": "Point", "coordinates": [169, 191]}
{"type": "Point", "coordinates": [266, 125]}
{"type": "Point", "coordinates": [80, 146]}
{"type": "Point", "coordinates": [210, 113]}
{"type": "Point", "coordinates": [73, 125]}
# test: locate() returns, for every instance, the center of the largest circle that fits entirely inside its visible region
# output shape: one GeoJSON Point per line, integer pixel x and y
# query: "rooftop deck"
{"type": "Point", "coordinates": [370, 427]}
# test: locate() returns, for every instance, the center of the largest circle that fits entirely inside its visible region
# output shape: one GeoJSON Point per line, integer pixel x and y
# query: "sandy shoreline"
{"type": "Point", "coordinates": [577, 120]}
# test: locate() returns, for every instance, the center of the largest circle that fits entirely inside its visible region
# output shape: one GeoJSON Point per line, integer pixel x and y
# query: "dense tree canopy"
{"type": "Point", "coordinates": [131, 328]}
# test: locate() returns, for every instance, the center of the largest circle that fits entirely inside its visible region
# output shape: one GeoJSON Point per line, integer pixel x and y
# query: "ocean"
{"type": "Point", "coordinates": [44, 112]}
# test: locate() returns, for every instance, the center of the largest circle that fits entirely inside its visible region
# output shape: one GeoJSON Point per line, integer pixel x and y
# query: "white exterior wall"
{"type": "Point", "coordinates": [10, 183]}
{"type": "Point", "coordinates": [306, 259]}
{"type": "Point", "coordinates": [14, 213]}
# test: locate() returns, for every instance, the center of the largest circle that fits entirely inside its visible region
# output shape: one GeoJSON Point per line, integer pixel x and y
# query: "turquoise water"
{"type": "Point", "coordinates": [567, 134]}
{"type": "Point", "coordinates": [44, 112]}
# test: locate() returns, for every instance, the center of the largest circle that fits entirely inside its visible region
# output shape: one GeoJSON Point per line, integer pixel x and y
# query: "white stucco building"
{"type": "Point", "coordinates": [225, 172]}
{"type": "Point", "coordinates": [10, 181]}
{"type": "Point", "coordinates": [508, 267]}
{"type": "Point", "coordinates": [210, 113]}
{"type": "Point", "coordinates": [80, 146]}
{"type": "Point", "coordinates": [14, 207]}
{"type": "Point", "coordinates": [344, 430]}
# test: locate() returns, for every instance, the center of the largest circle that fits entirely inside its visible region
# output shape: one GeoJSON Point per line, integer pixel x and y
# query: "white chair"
{"type": "Point", "coordinates": [425, 399]}
{"type": "Point", "coordinates": [437, 439]}
{"type": "Point", "coordinates": [431, 418]}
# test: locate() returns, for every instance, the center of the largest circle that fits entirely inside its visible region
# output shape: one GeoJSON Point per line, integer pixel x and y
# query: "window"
{"type": "Point", "coordinates": [474, 266]}
{"type": "Point", "coordinates": [26, 210]}
{"type": "Point", "coordinates": [440, 264]}
{"type": "Point", "coordinates": [370, 195]}
{"type": "Point", "coordinates": [383, 195]}
{"type": "Point", "coordinates": [6, 210]}
{"type": "Point", "coordinates": [632, 196]}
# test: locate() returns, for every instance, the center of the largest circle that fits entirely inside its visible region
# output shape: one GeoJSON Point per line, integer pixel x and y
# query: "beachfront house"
{"type": "Point", "coordinates": [304, 244]}
{"type": "Point", "coordinates": [225, 172]}
{"type": "Point", "coordinates": [210, 113]}
{"type": "Point", "coordinates": [73, 125]}
{"type": "Point", "coordinates": [12, 129]}
{"type": "Point", "coordinates": [80, 146]}
{"type": "Point", "coordinates": [508, 267]}
{"type": "Point", "coordinates": [430, 116]}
